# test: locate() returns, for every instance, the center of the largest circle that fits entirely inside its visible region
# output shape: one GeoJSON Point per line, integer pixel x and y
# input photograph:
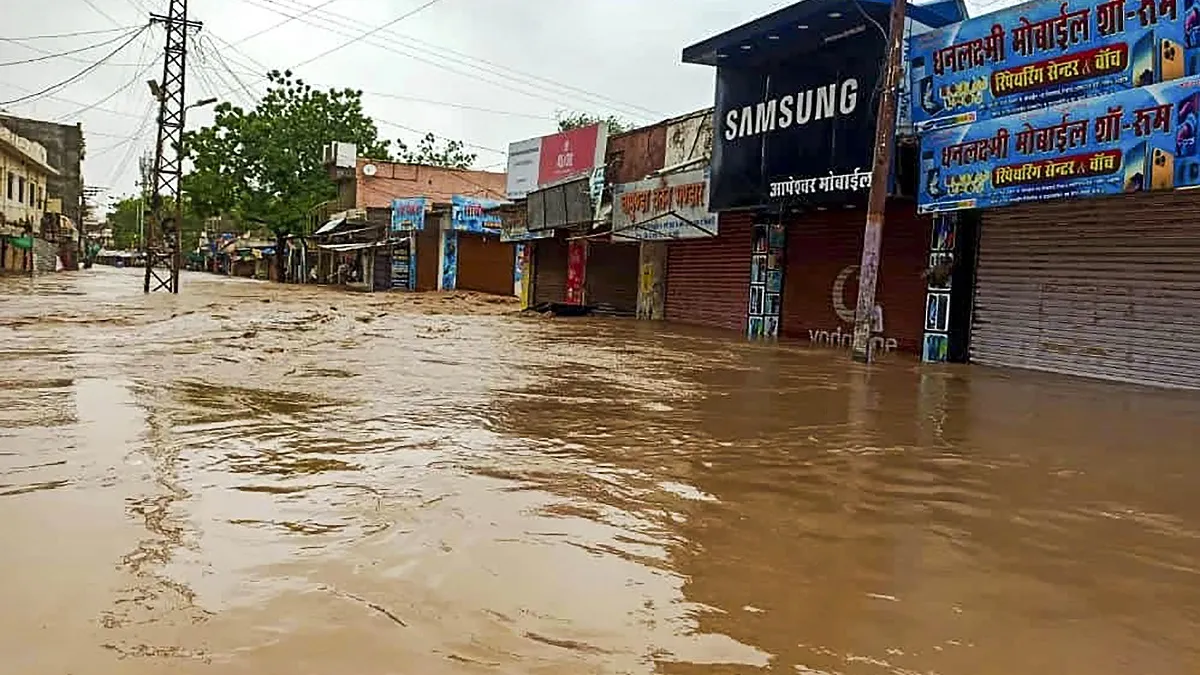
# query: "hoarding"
{"type": "Point", "coordinates": [672, 207]}
{"type": "Point", "coordinates": [539, 163]}
{"type": "Point", "coordinates": [470, 214]}
{"type": "Point", "coordinates": [797, 130]}
{"type": "Point", "coordinates": [1044, 53]}
{"type": "Point", "coordinates": [1128, 141]}
{"type": "Point", "coordinates": [408, 215]}
{"type": "Point", "coordinates": [514, 225]}
{"type": "Point", "coordinates": [524, 159]}
{"type": "Point", "coordinates": [566, 205]}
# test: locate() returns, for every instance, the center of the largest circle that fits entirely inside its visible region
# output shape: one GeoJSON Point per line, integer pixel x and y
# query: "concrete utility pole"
{"type": "Point", "coordinates": [885, 132]}
{"type": "Point", "coordinates": [161, 246]}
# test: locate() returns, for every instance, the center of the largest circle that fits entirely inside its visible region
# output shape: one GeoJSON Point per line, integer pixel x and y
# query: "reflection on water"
{"type": "Point", "coordinates": [249, 478]}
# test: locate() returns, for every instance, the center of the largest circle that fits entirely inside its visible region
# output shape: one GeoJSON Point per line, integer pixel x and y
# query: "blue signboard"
{"type": "Point", "coordinates": [408, 214]}
{"type": "Point", "coordinates": [1045, 53]}
{"type": "Point", "coordinates": [1128, 141]}
{"type": "Point", "coordinates": [469, 214]}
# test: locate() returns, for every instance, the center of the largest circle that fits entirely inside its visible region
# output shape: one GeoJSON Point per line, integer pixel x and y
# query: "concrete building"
{"type": "Point", "coordinates": [64, 150]}
{"type": "Point", "coordinates": [24, 180]}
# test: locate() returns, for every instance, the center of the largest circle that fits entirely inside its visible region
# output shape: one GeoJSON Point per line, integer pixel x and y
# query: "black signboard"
{"type": "Point", "coordinates": [565, 205]}
{"type": "Point", "coordinates": [799, 130]}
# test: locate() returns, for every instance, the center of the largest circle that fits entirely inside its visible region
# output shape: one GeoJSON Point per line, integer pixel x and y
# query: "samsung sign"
{"type": "Point", "coordinates": [813, 105]}
{"type": "Point", "coordinates": [798, 130]}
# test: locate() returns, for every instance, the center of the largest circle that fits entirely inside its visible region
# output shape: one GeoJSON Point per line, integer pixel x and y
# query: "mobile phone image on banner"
{"type": "Point", "coordinates": [1142, 62]}
{"type": "Point", "coordinates": [1135, 168]}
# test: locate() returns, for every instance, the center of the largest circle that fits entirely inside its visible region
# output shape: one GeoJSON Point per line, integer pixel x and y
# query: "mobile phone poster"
{"type": "Point", "coordinates": [1044, 53]}
{"type": "Point", "coordinates": [1129, 141]}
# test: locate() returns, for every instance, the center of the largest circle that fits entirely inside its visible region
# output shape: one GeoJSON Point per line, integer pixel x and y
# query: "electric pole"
{"type": "Point", "coordinates": [885, 134]}
{"type": "Point", "coordinates": [162, 243]}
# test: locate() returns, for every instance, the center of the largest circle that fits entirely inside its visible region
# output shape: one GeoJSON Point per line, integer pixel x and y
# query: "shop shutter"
{"type": "Point", "coordinates": [550, 270]}
{"type": "Point", "coordinates": [821, 246]}
{"type": "Point", "coordinates": [708, 280]}
{"type": "Point", "coordinates": [428, 255]}
{"type": "Point", "coordinates": [1106, 287]}
{"type": "Point", "coordinates": [612, 278]}
{"type": "Point", "coordinates": [485, 264]}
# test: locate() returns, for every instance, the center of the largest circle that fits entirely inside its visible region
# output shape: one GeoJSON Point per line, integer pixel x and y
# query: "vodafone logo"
{"type": "Point", "coordinates": [565, 158]}
{"type": "Point", "coordinates": [570, 154]}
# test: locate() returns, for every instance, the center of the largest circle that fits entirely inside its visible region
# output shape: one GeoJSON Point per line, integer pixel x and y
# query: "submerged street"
{"type": "Point", "coordinates": [257, 478]}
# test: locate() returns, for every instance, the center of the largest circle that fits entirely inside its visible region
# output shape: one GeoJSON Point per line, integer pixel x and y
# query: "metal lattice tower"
{"type": "Point", "coordinates": [163, 256]}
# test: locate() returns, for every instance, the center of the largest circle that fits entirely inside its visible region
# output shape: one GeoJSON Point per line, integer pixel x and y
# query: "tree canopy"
{"type": "Point", "coordinates": [577, 120]}
{"type": "Point", "coordinates": [123, 220]}
{"type": "Point", "coordinates": [451, 154]}
{"type": "Point", "coordinates": [264, 165]}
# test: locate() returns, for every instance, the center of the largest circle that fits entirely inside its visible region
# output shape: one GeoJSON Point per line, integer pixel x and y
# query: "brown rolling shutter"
{"type": "Point", "coordinates": [822, 245]}
{"type": "Point", "coordinates": [428, 254]}
{"type": "Point", "coordinates": [1106, 287]}
{"type": "Point", "coordinates": [485, 264]}
{"type": "Point", "coordinates": [550, 270]}
{"type": "Point", "coordinates": [612, 277]}
{"type": "Point", "coordinates": [708, 280]}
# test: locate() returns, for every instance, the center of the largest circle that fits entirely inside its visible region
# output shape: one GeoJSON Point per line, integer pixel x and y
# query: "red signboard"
{"type": "Point", "coordinates": [570, 154]}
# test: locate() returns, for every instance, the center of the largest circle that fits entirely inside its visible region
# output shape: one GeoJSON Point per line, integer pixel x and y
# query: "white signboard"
{"type": "Point", "coordinates": [524, 159]}
{"type": "Point", "coordinates": [671, 207]}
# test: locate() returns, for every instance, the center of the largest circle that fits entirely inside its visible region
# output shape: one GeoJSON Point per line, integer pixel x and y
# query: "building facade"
{"type": "Point", "coordinates": [24, 178]}
{"type": "Point", "coordinates": [794, 116]}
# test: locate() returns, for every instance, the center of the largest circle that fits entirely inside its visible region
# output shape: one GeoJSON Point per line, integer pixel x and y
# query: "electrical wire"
{"type": "Point", "coordinates": [136, 79]}
{"type": "Point", "coordinates": [54, 55]}
{"type": "Point", "coordinates": [67, 35]}
{"type": "Point", "coordinates": [517, 83]}
{"type": "Point", "coordinates": [57, 86]}
{"type": "Point", "coordinates": [286, 21]}
{"type": "Point", "coordinates": [101, 12]}
{"type": "Point", "coordinates": [368, 34]}
{"type": "Point", "coordinates": [496, 68]}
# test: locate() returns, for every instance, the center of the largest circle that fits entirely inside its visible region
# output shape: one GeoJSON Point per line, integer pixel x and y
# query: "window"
{"type": "Point", "coordinates": [41, 200]}
{"type": "Point", "coordinates": [33, 193]}
{"type": "Point", "coordinates": [21, 189]}
{"type": "Point", "coordinates": [12, 185]}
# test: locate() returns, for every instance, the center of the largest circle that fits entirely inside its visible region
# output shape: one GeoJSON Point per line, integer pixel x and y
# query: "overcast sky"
{"type": "Point", "coordinates": [486, 72]}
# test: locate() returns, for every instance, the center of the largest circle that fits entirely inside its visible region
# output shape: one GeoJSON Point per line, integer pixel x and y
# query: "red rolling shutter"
{"type": "Point", "coordinates": [708, 280]}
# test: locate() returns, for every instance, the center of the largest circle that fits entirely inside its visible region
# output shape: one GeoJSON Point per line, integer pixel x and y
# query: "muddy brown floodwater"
{"type": "Point", "coordinates": [249, 478]}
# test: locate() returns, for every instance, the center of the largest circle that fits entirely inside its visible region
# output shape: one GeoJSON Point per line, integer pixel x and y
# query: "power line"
{"type": "Point", "coordinates": [286, 21]}
{"type": "Point", "coordinates": [419, 54]}
{"type": "Point", "coordinates": [54, 55]}
{"type": "Point", "coordinates": [67, 35]}
{"type": "Point", "coordinates": [74, 102]}
{"type": "Point", "coordinates": [102, 12]}
{"type": "Point", "coordinates": [367, 34]}
{"type": "Point", "coordinates": [495, 68]}
{"type": "Point", "coordinates": [136, 79]}
{"type": "Point", "coordinates": [77, 76]}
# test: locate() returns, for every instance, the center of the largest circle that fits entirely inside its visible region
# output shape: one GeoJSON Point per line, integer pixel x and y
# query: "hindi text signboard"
{"type": "Point", "coordinates": [1129, 141]}
{"type": "Point", "coordinates": [1041, 53]}
{"type": "Point", "coordinates": [672, 207]}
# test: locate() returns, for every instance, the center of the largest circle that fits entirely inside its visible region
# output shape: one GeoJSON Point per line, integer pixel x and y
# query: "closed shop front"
{"type": "Point", "coordinates": [612, 277]}
{"type": "Point", "coordinates": [485, 264]}
{"type": "Point", "coordinates": [428, 247]}
{"type": "Point", "coordinates": [824, 250]}
{"type": "Point", "coordinates": [549, 270]}
{"type": "Point", "coordinates": [708, 279]}
{"type": "Point", "coordinates": [1106, 287]}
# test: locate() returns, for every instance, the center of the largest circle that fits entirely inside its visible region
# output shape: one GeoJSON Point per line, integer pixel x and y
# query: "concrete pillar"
{"type": "Point", "coordinates": [652, 281]}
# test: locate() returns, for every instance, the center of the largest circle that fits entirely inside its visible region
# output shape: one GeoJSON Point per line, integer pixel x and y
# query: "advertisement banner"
{"type": "Point", "coordinates": [514, 225]}
{"type": "Point", "coordinates": [1129, 141]}
{"type": "Point", "coordinates": [542, 162]}
{"type": "Point", "coordinates": [408, 215]}
{"type": "Point", "coordinates": [672, 207]}
{"type": "Point", "coordinates": [571, 154]}
{"type": "Point", "coordinates": [799, 131]}
{"type": "Point", "coordinates": [469, 214]}
{"type": "Point", "coordinates": [1042, 53]}
{"type": "Point", "coordinates": [524, 161]}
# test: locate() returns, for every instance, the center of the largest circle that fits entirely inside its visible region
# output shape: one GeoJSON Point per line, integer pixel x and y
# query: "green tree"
{"type": "Point", "coordinates": [123, 220]}
{"type": "Point", "coordinates": [264, 165]}
{"type": "Point", "coordinates": [452, 154]}
{"type": "Point", "coordinates": [578, 120]}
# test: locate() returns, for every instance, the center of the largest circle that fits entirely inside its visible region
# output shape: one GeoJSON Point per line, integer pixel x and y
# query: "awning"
{"type": "Point", "coordinates": [342, 248]}
{"type": "Point", "coordinates": [330, 226]}
{"type": "Point", "coordinates": [806, 26]}
{"type": "Point", "coordinates": [25, 242]}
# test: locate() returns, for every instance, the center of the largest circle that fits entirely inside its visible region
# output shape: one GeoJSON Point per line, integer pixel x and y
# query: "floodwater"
{"type": "Point", "coordinates": [250, 478]}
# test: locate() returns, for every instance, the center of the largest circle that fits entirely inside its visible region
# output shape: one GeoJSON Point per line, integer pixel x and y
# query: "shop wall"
{"type": "Point", "coordinates": [824, 249]}
{"type": "Point", "coordinates": [428, 251]}
{"type": "Point", "coordinates": [634, 155]}
{"type": "Point", "coordinates": [549, 270]}
{"type": "Point", "coordinates": [652, 280]}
